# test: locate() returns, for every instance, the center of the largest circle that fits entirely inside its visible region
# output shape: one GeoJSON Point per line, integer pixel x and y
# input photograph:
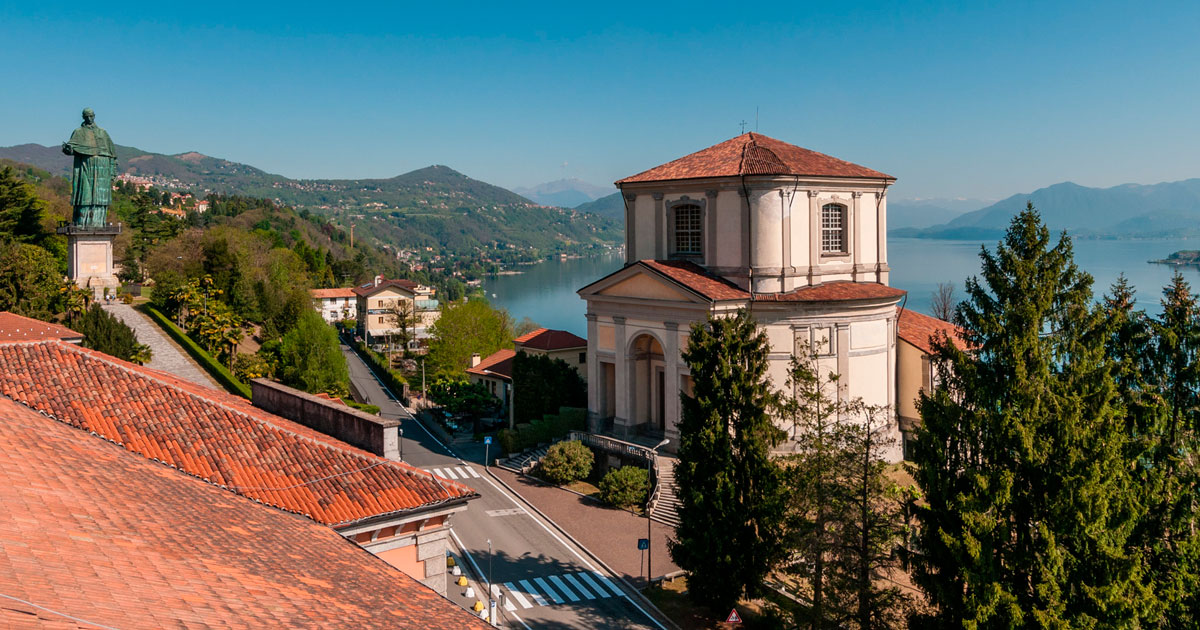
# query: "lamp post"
{"type": "Point", "coordinates": [650, 547]}
{"type": "Point", "coordinates": [491, 588]}
{"type": "Point", "coordinates": [402, 439]}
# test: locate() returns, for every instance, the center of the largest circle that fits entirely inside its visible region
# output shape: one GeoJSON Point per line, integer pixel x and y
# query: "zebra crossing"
{"type": "Point", "coordinates": [455, 472]}
{"type": "Point", "coordinates": [559, 589]}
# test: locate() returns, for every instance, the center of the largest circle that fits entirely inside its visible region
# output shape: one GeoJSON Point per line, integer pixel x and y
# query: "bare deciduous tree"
{"type": "Point", "coordinates": [943, 304]}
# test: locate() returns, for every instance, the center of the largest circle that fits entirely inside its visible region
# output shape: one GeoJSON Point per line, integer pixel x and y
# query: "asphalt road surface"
{"type": "Point", "coordinates": [543, 579]}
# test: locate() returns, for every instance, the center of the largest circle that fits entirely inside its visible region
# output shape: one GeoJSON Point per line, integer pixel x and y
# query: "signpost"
{"type": "Point", "coordinates": [487, 445]}
{"type": "Point", "coordinates": [733, 617]}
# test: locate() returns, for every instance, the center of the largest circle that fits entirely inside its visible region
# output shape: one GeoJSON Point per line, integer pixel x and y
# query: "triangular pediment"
{"type": "Point", "coordinates": [638, 282]}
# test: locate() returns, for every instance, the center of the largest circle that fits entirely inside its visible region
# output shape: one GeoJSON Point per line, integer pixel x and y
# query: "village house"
{"type": "Point", "coordinates": [334, 305]}
{"type": "Point", "coordinates": [377, 302]}
{"type": "Point", "coordinates": [915, 371]}
{"type": "Point", "coordinates": [556, 344]}
{"type": "Point", "coordinates": [795, 236]}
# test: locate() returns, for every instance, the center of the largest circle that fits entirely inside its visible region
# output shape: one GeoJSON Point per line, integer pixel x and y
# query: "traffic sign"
{"type": "Point", "coordinates": [733, 617]}
{"type": "Point", "coordinates": [643, 543]}
{"type": "Point", "coordinates": [487, 439]}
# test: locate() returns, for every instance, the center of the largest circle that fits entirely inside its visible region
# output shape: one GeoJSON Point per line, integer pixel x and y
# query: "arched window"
{"type": "Point", "coordinates": [688, 230]}
{"type": "Point", "coordinates": [833, 228]}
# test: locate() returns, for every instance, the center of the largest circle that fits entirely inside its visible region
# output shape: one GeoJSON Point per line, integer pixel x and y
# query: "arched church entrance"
{"type": "Point", "coordinates": [649, 387]}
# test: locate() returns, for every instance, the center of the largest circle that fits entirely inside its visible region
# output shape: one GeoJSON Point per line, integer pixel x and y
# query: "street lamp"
{"type": "Point", "coordinates": [401, 439]}
{"type": "Point", "coordinates": [649, 546]}
{"type": "Point", "coordinates": [491, 589]}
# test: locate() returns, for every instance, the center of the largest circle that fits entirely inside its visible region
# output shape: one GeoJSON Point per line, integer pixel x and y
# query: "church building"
{"type": "Point", "coordinates": [795, 236]}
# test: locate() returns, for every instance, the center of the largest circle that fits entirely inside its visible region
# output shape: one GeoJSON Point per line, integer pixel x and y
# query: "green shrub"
{"type": "Point", "coordinates": [508, 441]}
{"type": "Point", "coordinates": [566, 462]}
{"type": "Point", "coordinates": [206, 360]}
{"type": "Point", "coordinates": [367, 407]}
{"type": "Point", "coordinates": [625, 487]}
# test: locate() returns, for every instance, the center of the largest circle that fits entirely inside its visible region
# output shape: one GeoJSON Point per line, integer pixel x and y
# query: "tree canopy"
{"type": "Point", "coordinates": [463, 329]}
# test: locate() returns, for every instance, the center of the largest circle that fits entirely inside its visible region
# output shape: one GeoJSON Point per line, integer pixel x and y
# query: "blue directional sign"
{"type": "Point", "coordinates": [643, 543]}
{"type": "Point", "coordinates": [487, 439]}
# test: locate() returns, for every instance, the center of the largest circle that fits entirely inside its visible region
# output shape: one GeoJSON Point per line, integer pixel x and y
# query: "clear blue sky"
{"type": "Point", "coordinates": [977, 102]}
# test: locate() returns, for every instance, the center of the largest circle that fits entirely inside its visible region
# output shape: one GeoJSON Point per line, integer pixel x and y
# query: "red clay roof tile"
{"type": "Point", "coordinates": [920, 330]}
{"type": "Point", "coordinates": [15, 327]}
{"type": "Point", "coordinates": [318, 294]}
{"type": "Point", "coordinates": [372, 288]}
{"type": "Point", "coordinates": [244, 449]}
{"type": "Point", "coordinates": [753, 154]}
{"type": "Point", "coordinates": [836, 291]}
{"type": "Point", "coordinates": [499, 363]}
{"type": "Point", "coordinates": [549, 339]}
{"type": "Point", "coordinates": [696, 278]}
{"type": "Point", "coordinates": [93, 531]}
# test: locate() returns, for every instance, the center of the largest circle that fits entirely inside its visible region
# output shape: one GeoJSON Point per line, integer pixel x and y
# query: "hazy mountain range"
{"type": "Point", "coordinates": [566, 193]}
{"type": "Point", "coordinates": [432, 206]}
{"type": "Point", "coordinates": [1168, 209]}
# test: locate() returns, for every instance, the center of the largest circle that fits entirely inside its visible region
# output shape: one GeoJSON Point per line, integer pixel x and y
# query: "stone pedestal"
{"type": "Point", "coordinates": [90, 256]}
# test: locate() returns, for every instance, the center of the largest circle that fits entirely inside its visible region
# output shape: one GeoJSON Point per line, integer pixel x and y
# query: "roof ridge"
{"type": "Point", "coordinates": [352, 451]}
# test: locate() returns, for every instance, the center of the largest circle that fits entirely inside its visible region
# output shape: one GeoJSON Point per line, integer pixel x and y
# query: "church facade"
{"type": "Point", "coordinates": [795, 236]}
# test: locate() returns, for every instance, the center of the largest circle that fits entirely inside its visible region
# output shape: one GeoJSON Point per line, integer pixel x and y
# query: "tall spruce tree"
{"type": "Point", "coordinates": [1021, 457]}
{"type": "Point", "coordinates": [731, 493]}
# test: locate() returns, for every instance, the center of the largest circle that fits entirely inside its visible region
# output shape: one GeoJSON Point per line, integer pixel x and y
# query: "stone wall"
{"type": "Point", "coordinates": [357, 428]}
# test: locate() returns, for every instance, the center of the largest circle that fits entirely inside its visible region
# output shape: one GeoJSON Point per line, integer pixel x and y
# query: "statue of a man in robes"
{"type": "Point", "coordinates": [93, 172]}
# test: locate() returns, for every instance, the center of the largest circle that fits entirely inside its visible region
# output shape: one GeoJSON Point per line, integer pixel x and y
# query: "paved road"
{"type": "Point", "coordinates": [166, 356]}
{"type": "Point", "coordinates": [546, 581]}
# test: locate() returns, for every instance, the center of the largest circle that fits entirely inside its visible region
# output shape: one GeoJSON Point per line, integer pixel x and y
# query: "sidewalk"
{"type": "Point", "coordinates": [166, 356]}
{"type": "Point", "coordinates": [608, 533]}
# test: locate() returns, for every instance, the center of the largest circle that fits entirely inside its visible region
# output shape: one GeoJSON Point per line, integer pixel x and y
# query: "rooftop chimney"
{"type": "Point", "coordinates": [475, 359]}
{"type": "Point", "coordinates": [378, 279]}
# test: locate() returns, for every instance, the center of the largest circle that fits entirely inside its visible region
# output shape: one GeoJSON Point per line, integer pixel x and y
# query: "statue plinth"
{"type": "Point", "coordinates": [90, 256]}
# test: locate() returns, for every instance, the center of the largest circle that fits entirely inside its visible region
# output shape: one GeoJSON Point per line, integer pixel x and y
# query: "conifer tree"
{"type": "Point", "coordinates": [731, 493]}
{"type": "Point", "coordinates": [1021, 458]}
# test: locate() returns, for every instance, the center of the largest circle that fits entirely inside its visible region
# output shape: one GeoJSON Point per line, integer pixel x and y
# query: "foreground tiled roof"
{"type": "Point", "coordinates": [372, 288]}
{"type": "Point", "coordinates": [920, 330]}
{"type": "Point", "coordinates": [836, 291]}
{"type": "Point", "coordinates": [753, 154]}
{"type": "Point", "coordinates": [215, 436]}
{"type": "Point", "coordinates": [548, 339]}
{"type": "Point", "coordinates": [111, 539]}
{"type": "Point", "coordinates": [15, 327]}
{"type": "Point", "coordinates": [499, 364]}
{"type": "Point", "coordinates": [319, 294]}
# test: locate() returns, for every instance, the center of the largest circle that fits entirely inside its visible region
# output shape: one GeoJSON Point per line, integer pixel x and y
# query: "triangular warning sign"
{"type": "Point", "coordinates": [733, 617]}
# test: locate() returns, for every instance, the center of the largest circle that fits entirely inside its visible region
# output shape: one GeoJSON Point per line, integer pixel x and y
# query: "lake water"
{"type": "Point", "coordinates": [546, 294]}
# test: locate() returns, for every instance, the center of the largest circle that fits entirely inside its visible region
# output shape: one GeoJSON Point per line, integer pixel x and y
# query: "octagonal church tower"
{"type": "Point", "coordinates": [795, 236]}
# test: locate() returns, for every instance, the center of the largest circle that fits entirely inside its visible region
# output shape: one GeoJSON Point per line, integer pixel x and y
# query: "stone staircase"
{"type": "Point", "coordinates": [523, 462]}
{"type": "Point", "coordinates": [664, 507]}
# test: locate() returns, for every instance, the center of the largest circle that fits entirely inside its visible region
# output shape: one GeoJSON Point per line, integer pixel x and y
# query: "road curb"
{"type": "Point", "coordinates": [659, 616]}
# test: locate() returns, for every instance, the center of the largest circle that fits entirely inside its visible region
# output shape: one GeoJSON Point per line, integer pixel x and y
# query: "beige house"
{"type": "Point", "coordinates": [915, 372]}
{"type": "Point", "coordinates": [495, 373]}
{"type": "Point", "coordinates": [556, 344]}
{"type": "Point", "coordinates": [795, 236]}
{"type": "Point", "coordinates": [377, 322]}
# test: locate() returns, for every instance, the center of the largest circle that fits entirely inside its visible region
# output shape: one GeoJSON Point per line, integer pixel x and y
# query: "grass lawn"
{"type": "Point", "coordinates": [584, 488]}
{"type": "Point", "coordinates": [671, 599]}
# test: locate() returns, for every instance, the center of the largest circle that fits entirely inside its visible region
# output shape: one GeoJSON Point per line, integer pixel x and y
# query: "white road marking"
{"type": "Point", "coordinates": [605, 581]}
{"type": "Point", "coordinates": [473, 473]}
{"type": "Point", "coordinates": [558, 583]}
{"type": "Point", "coordinates": [555, 536]}
{"type": "Point", "coordinates": [509, 512]}
{"type": "Point", "coordinates": [532, 592]}
{"type": "Point", "coordinates": [549, 591]}
{"type": "Point", "coordinates": [515, 594]}
{"type": "Point", "coordinates": [578, 586]}
{"type": "Point", "coordinates": [450, 472]}
{"type": "Point", "coordinates": [438, 472]}
{"type": "Point", "coordinates": [592, 583]}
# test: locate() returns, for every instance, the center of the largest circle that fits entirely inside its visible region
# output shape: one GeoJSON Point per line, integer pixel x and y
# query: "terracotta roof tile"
{"type": "Point", "coordinates": [319, 294]}
{"type": "Point", "coordinates": [696, 278]}
{"type": "Point", "coordinates": [217, 437]}
{"type": "Point", "coordinates": [753, 154]}
{"type": "Point", "coordinates": [919, 330]}
{"type": "Point", "coordinates": [93, 531]}
{"type": "Point", "coordinates": [548, 339]}
{"type": "Point", "coordinates": [15, 327]}
{"type": "Point", "coordinates": [836, 291]}
{"type": "Point", "coordinates": [499, 363]}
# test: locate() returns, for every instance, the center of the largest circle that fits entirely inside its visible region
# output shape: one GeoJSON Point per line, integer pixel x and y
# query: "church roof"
{"type": "Point", "coordinates": [216, 437]}
{"type": "Point", "coordinates": [93, 535]}
{"type": "Point", "coordinates": [753, 154]}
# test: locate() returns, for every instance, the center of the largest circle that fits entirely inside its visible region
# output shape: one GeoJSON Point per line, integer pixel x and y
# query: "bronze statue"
{"type": "Point", "coordinates": [93, 172]}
